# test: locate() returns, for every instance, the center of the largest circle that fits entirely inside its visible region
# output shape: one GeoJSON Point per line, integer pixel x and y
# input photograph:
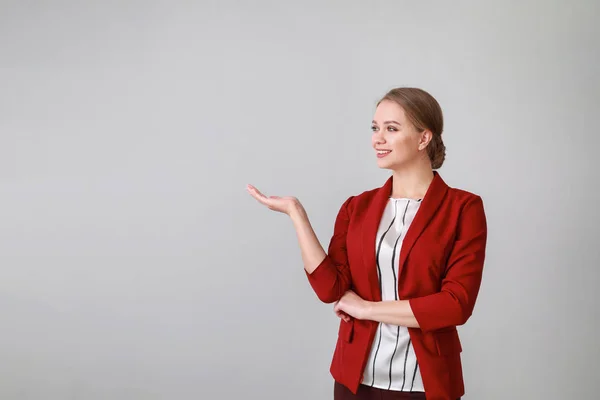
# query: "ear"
{"type": "Point", "coordinates": [425, 138]}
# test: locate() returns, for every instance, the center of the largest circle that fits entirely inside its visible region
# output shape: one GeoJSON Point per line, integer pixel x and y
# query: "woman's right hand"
{"type": "Point", "coordinates": [341, 314]}
{"type": "Point", "coordinates": [286, 205]}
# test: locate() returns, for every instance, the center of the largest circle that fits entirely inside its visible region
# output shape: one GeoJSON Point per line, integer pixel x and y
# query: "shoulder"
{"type": "Point", "coordinates": [357, 204]}
{"type": "Point", "coordinates": [461, 197]}
{"type": "Point", "coordinates": [467, 206]}
{"type": "Point", "coordinates": [360, 198]}
{"type": "Point", "coordinates": [469, 209]}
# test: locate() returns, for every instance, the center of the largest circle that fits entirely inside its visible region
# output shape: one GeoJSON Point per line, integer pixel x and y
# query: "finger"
{"type": "Point", "coordinates": [340, 311]}
{"type": "Point", "coordinates": [343, 316]}
{"type": "Point", "coordinates": [255, 190]}
{"type": "Point", "coordinates": [261, 198]}
{"type": "Point", "coordinates": [336, 307]}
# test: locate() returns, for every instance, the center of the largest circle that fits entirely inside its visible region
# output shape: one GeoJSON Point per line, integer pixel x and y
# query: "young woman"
{"type": "Point", "coordinates": [404, 265]}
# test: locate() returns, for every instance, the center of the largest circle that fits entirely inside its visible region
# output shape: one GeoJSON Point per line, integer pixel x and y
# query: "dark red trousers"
{"type": "Point", "coordinates": [341, 392]}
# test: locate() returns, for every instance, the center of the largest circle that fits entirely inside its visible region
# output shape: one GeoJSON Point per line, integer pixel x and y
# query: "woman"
{"type": "Point", "coordinates": [404, 265]}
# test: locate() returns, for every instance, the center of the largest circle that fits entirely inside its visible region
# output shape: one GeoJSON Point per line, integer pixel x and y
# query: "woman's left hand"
{"type": "Point", "coordinates": [352, 305]}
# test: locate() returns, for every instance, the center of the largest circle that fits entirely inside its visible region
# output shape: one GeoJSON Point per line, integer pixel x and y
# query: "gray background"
{"type": "Point", "coordinates": [134, 265]}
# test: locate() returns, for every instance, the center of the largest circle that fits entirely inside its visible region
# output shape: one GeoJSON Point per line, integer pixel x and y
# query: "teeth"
{"type": "Point", "coordinates": [383, 151]}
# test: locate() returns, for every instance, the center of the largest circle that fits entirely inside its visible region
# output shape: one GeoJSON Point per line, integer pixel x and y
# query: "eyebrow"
{"type": "Point", "coordinates": [389, 122]}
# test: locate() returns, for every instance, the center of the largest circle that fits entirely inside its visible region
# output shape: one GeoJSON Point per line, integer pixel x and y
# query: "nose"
{"type": "Point", "coordinates": [378, 137]}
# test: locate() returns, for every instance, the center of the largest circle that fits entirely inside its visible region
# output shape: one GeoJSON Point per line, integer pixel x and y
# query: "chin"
{"type": "Point", "coordinates": [391, 164]}
{"type": "Point", "coordinates": [385, 164]}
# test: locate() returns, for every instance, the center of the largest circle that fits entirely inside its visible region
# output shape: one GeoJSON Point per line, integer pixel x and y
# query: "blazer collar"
{"type": "Point", "coordinates": [431, 201]}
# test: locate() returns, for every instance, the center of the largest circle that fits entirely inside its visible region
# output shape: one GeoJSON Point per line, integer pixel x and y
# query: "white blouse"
{"type": "Point", "coordinates": [392, 363]}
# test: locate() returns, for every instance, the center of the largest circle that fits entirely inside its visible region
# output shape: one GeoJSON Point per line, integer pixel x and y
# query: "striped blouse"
{"type": "Point", "coordinates": [392, 363]}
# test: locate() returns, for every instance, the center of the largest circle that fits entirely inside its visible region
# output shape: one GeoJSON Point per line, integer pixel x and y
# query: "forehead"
{"type": "Point", "coordinates": [389, 110]}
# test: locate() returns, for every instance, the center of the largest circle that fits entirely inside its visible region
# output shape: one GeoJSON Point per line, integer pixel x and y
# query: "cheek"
{"type": "Point", "coordinates": [403, 146]}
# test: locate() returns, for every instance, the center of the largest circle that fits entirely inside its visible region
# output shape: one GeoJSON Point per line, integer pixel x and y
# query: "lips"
{"type": "Point", "coordinates": [383, 153]}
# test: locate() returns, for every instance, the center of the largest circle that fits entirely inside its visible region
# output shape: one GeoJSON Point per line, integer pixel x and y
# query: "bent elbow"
{"type": "Point", "coordinates": [328, 297]}
{"type": "Point", "coordinates": [466, 310]}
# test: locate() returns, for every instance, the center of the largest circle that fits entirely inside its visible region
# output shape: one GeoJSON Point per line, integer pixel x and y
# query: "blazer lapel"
{"type": "Point", "coordinates": [369, 235]}
{"type": "Point", "coordinates": [431, 201]}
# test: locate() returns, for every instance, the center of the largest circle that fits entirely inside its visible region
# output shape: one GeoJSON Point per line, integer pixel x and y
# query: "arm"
{"type": "Point", "coordinates": [451, 306]}
{"type": "Point", "coordinates": [328, 273]}
{"type": "Point", "coordinates": [310, 248]}
{"type": "Point", "coordinates": [454, 304]}
{"type": "Point", "coordinates": [391, 312]}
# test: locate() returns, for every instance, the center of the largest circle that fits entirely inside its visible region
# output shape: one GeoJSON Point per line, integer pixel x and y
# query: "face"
{"type": "Point", "coordinates": [396, 141]}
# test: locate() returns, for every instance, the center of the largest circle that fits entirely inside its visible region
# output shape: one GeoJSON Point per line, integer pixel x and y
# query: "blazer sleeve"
{"type": "Point", "coordinates": [454, 304]}
{"type": "Point", "coordinates": [331, 279]}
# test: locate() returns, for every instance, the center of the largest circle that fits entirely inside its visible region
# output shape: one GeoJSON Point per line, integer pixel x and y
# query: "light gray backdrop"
{"type": "Point", "coordinates": [133, 263]}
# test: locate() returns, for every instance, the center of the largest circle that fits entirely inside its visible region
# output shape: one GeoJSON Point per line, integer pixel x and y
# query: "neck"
{"type": "Point", "coordinates": [411, 182]}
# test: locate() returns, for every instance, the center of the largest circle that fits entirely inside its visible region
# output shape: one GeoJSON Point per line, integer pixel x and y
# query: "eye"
{"type": "Point", "coordinates": [373, 128]}
{"type": "Point", "coordinates": [392, 128]}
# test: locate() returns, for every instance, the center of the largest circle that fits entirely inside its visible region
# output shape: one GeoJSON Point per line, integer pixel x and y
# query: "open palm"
{"type": "Point", "coordinates": [276, 203]}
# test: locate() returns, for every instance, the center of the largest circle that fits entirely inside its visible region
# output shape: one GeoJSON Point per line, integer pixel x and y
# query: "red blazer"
{"type": "Point", "coordinates": [441, 265]}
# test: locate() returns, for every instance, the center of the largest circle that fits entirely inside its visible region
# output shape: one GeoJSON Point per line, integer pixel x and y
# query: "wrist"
{"type": "Point", "coordinates": [296, 212]}
{"type": "Point", "coordinates": [368, 307]}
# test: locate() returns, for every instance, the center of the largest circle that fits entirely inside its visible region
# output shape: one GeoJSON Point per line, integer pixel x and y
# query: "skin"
{"type": "Point", "coordinates": [412, 174]}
